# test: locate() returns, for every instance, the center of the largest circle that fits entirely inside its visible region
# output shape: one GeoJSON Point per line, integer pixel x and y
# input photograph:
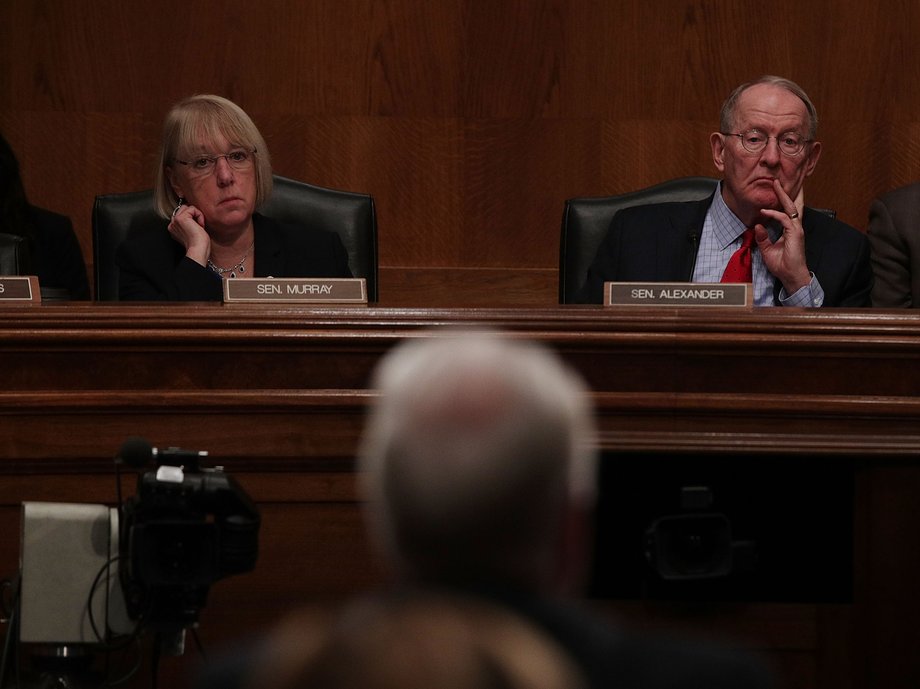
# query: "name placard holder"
{"type": "Point", "coordinates": [20, 289]}
{"type": "Point", "coordinates": [678, 294]}
{"type": "Point", "coordinates": [296, 290]}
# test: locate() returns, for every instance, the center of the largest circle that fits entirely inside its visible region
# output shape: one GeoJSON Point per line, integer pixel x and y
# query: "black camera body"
{"type": "Point", "coordinates": [180, 533]}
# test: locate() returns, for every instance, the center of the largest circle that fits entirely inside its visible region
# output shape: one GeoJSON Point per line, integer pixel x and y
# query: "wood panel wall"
{"type": "Point", "coordinates": [470, 122]}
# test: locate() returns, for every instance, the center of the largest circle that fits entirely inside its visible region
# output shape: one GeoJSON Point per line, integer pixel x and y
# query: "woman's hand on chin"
{"type": "Point", "coordinates": [187, 227]}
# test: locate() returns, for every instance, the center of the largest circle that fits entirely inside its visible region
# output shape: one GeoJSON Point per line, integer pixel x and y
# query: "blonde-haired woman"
{"type": "Point", "coordinates": [214, 172]}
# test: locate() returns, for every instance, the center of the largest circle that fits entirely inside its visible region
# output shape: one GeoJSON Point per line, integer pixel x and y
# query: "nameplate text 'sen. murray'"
{"type": "Point", "coordinates": [296, 290]}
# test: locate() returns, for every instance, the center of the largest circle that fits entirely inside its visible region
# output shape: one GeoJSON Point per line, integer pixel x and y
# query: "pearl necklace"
{"type": "Point", "coordinates": [233, 270]}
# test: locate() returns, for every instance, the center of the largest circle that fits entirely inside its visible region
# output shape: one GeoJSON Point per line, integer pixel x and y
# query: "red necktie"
{"type": "Point", "coordinates": [739, 265]}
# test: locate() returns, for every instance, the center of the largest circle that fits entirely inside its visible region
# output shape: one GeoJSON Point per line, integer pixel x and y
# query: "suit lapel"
{"type": "Point", "coordinates": [677, 248]}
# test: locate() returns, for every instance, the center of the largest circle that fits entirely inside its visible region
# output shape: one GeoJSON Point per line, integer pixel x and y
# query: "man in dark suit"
{"type": "Point", "coordinates": [765, 149]}
{"type": "Point", "coordinates": [894, 234]}
{"type": "Point", "coordinates": [478, 475]}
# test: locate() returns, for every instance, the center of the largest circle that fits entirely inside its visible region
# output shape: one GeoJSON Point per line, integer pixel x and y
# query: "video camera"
{"type": "Point", "coordinates": [185, 529]}
{"type": "Point", "coordinates": [146, 565]}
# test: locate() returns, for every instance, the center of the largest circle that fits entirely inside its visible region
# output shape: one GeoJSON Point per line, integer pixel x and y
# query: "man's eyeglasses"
{"type": "Point", "coordinates": [202, 165]}
{"type": "Point", "coordinates": [754, 141]}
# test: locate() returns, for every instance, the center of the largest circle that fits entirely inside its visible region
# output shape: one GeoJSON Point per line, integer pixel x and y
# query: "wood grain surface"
{"type": "Point", "coordinates": [470, 122]}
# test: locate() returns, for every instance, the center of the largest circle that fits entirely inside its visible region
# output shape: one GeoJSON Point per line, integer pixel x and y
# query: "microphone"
{"type": "Point", "coordinates": [137, 452]}
{"type": "Point", "coordinates": [694, 238]}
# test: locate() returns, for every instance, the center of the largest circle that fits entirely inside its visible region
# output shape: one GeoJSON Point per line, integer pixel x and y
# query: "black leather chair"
{"type": "Point", "coordinates": [351, 214]}
{"type": "Point", "coordinates": [585, 222]}
{"type": "Point", "coordinates": [14, 255]}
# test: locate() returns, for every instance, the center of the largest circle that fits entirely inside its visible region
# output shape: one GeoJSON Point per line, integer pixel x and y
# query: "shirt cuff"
{"type": "Point", "coordinates": [811, 295]}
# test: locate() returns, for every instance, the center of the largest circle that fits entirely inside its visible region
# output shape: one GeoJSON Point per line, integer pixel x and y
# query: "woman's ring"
{"type": "Point", "coordinates": [794, 215]}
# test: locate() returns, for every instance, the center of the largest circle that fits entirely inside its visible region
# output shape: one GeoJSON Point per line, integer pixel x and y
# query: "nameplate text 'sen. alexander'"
{"type": "Point", "coordinates": [678, 294]}
{"type": "Point", "coordinates": [20, 289]}
{"type": "Point", "coordinates": [296, 290]}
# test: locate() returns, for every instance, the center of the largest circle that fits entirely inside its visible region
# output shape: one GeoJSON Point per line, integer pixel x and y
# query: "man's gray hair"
{"type": "Point", "coordinates": [477, 446]}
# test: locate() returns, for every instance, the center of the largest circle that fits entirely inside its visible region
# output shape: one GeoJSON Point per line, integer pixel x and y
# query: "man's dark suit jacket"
{"type": "Point", "coordinates": [153, 266]}
{"type": "Point", "coordinates": [610, 657]}
{"type": "Point", "coordinates": [56, 256]}
{"type": "Point", "coordinates": [658, 243]}
{"type": "Point", "coordinates": [894, 234]}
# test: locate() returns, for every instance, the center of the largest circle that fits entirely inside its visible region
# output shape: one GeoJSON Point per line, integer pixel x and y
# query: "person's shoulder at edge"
{"type": "Point", "coordinates": [908, 192]}
{"type": "Point", "coordinates": [893, 230]}
{"type": "Point", "coordinates": [58, 256]}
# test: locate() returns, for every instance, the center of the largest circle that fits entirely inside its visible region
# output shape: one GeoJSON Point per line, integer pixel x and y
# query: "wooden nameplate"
{"type": "Point", "coordinates": [678, 294]}
{"type": "Point", "coordinates": [20, 289]}
{"type": "Point", "coordinates": [296, 290]}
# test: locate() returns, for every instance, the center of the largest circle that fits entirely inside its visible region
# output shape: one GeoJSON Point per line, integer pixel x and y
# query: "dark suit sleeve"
{"type": "Point", "coordinates": [891, 260]}
{"type": "Point", "coordinates": [151, 271]}
{"type": "Point", "coordinates": [838, 255]}
{"type": "Point", "coordinates": [858, 289]}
